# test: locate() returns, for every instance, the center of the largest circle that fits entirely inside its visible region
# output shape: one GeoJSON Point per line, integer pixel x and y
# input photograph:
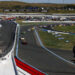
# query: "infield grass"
{"type": "Point", "coordinates": [51, 41]}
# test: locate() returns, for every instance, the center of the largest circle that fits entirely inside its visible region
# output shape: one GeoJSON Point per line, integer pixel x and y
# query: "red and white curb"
{"type": "Point", "coordinates": [25, 69]}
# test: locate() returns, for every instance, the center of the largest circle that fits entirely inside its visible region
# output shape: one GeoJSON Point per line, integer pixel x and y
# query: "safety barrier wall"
{"type": "Point", "coordinates": [10, 54]}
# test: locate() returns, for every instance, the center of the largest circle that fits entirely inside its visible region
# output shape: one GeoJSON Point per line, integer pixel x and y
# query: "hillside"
{"type": "Point", "coordinates": [17, 6]}
{"type": "Point", "coordinates": [10, 4]}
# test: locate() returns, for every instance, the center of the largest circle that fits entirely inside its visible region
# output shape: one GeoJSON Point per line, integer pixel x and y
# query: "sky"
{"type": "Point", "coordinates": [46, 1]}
{"type": "Point", "coordinates": [51, 1]}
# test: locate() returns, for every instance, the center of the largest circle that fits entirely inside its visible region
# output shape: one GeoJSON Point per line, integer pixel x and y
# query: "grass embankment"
{"type": "Point", "coordinates": [19, 21]}
{"type": "Point", "coordinates": [51, 41]}
{"type": "Point", "coordinates": [21, 5]}
{"type": "Point", "coordinates": [65, 28]}
{"type": "Point", "coordinates": [10, 4]}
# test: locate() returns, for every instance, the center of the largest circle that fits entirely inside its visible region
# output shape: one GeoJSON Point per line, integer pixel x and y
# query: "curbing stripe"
{"type": "Point", "coordinates": [27, 68]}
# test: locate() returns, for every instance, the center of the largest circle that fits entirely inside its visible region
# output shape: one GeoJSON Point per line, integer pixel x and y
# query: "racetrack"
{"type": "Point", "coordinates": [40, 58]}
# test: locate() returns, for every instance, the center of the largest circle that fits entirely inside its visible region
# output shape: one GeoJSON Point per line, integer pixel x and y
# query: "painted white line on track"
{"type": "Point", "coordinates": [50, 50]}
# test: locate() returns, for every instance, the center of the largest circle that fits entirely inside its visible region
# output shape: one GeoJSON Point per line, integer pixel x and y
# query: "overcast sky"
{"type": "Point", "coordinates": [45, 1]}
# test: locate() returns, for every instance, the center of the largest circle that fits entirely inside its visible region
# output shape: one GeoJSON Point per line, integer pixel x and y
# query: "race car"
{"type": "Point", "coordinates": [23, 40]}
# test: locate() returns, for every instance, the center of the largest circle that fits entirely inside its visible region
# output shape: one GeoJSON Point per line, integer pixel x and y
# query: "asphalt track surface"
{"type": "Point", "coordinates": [40, 58]}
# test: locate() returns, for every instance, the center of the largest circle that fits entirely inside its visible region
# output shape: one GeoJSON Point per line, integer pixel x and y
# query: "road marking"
{"type": "Point", "coordinates": [37, 35]}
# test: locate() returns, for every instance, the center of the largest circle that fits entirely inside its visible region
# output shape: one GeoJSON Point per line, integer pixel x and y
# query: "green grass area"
{"type": "Point", "coordinates": [19, 21]}
{"type": "Point", "coordinates": [51, 41]}
{"type": "Point", "coordinates": [65, 28]}
{"type": "Point", "coordinates": [9, 4]}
